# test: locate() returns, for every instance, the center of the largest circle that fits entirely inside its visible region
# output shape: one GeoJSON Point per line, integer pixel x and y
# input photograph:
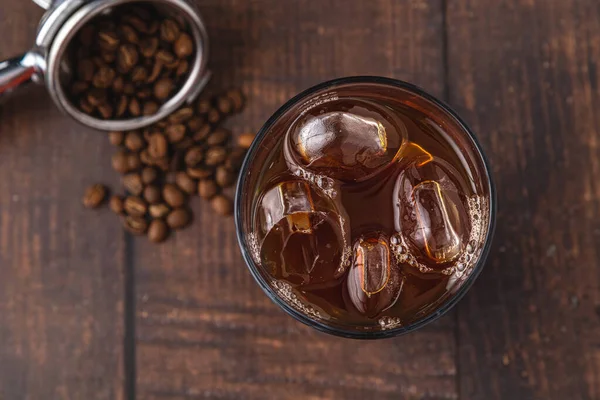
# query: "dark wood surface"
{"type": "Point", "coordinates": [87, 312]}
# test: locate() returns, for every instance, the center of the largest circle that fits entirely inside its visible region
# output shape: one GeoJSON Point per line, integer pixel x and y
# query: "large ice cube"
{"type": "Point", "coordinates": [374, 281]}
{"type": "Point", "coordinates": [430, 212]}
{"type": "Point", "coordinates": [303, 234]}
{"type": "Point", "coordinates": [352, 144]}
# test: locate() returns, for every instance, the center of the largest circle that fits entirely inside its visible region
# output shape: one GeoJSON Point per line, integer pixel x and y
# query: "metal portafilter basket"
{"type": "Point", "coordinates": [46, 62]}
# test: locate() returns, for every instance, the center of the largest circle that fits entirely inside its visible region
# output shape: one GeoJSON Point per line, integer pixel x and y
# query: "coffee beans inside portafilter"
{"type": "Point", "coordinates": [128, 63]}
{"type": "Point", "coordinates": [187, 154]}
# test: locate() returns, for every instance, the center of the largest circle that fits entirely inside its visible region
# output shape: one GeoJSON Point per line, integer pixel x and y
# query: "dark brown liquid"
{"type": "Point", "coordinates": [373, 228]}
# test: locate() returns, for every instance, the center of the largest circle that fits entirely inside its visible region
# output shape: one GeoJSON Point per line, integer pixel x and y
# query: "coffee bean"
{"type": "Point", "coordinates": [163, 88]}
{"type": "Point", "coordinates": [86, 107]}
{"type": "Point", "coordinates": [184, 46]}
{"type": "Point", "coordinates": [85, 70]}
{"type": "Point", "coordinates": [184, 144]}
{"type": "Point", "coordinates": [129, 34]}
{"type": "Point", "coordinates": [218, 137]}
{"type": "Point", "coordinates": [169, 30]}
{"type": "Point", "coordinates": [237, 99]}
{"type": "Point", "coordinates": [122, 106]}
{"type": "Point", "coordinates": [245, 140]}
{"type": "Point", "coordinates": [145, 158]}
{"type": "Point", "coordinates": [150, 108]}
{"type": "Point", "coordinates": [157, 146]}
{"type": "Point", "coordinates": [199, 172]}
{"type": "Point", "coordinates": [139, 74]}
{"type": "Point", "coordinates": [164, 57]}
{"type": "Point", "coordinates": [133, 161]}
{"type": "Point", "coordinates": [178, 218]}
{"type": "Point", "coordinates": [222, 205]}
{"type": "Point", "coordinates": [203, 106]}
{"type": "Point", "coordinates": [201, 134]}
{"type": "Point", "coordinates": [108, 56]}
{"type": "Point", "coordinates": [116, 138]}
{"type": "Point", "coordinates": [116, 204]}
{"type": "Point", "coordinates": [158, 231]}
{"type": "Point", "coordinates": [182, 68]}
{"type": "Point", "coordinates": [213, 116]}
{"type": "Point", "coordinates": [224, 177]}
{"type": "Point", "coordinates": [162, 163]}
{"type": "Point", "coordinates": [149, 175]}
{"type": "Point", "coordinates": [152, 194]}
{"type": "Point", "coordinates": [134, 107]}
{"type": "Point", "coordinates": [173, 196]}
{"type": "Point", "coordinates": [195, 123]}
{"type": "Point", "coordinates": [186, 183]}
{"type": "Point", "coordinates": [159, 210]}
{"type": "Point", "coordinates": [104, 77]}
{"type": "Point", "coordinates": [134, 141]}
{"type": "Point", "coordinates": [215, 156]}
{"type": "Point", "coordinates": [135, 206]}
{"type": "Point", "coordinates": [94, 196]}
{"type": "Point", "coordinates": [207, 189]}
{"type": "Point", "coordinates": [135, 225]}
{"type": "Point", "coordinates": [194, 156]}
{"type": "Point", "coordinates": [138, 23]}
{"type": "Point", "coordinates": [127, 58]}
{"type": "Point", "coordinates": [148, 46]}
{"type": "Point", "coordinates": [156, 70]}
{"type": "Point", "coordinates": [108, 40]}
{"type": "Point", "coordinates": [120, 162]}
{"type": "Point", "coordinates": [96, 96]}
{"type": "Point", "coordinates": [118, 84]}
{"type": "Point", "coordinates": [105, 110]}
{"type": "Point", "coordinates": [133, 183]}
{"type": "Point", "coordinates": [175, 133]}
{"type": "Point", "coordinates": [181, 115]}
{"type": "Point", "coordinates": [224, 105]}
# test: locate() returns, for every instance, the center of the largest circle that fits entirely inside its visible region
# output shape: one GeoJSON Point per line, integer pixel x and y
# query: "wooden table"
{"type": "Point", "coordinates": [87, 312]}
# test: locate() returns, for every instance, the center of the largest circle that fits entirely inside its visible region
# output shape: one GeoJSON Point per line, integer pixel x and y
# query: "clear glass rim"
{"type": "Point", "coordinates": [322, 326]}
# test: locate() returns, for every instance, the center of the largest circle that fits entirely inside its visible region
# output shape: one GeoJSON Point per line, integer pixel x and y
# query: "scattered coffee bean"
{"type": "Point", "coordinates": [133, 184]}
{"type": "Point", "coordinates": [235, 159]}
{"type": "Point", "coordinates": [199, 172]}
{"type": "Point", "coordinates": [117, 205]}
{"type": "Point", "coordinates": [213, 116]}
{"type": "Point", "coordinates": [207, 189]}
{"type": "Point", "coordinates": [224, 105]}
{"type": "Point", "coordinates": [194, 156]}
{"type": "Point", "coordinates": [135, 225]}
{"type": "Point", "coordinates": [152, 194]}
{"type": "Point", "coordinates": [224, 177]}
{"type": "Point", "coordinates": [115, 138]}
{"type": "Point", "coordinates": [175, 133]}
{"type": "Point", "coordinates": [222, 205]}
{"type": "Point", "coordinates": [159, 210]}
{"type": "Point", "coordinates": [237, 99]}
{"type": "Point", "coordinates": [158, 146]}
{"type": "Point", "coordinates": [149, 175]}
{"type": "Point", "coordinates": [173, 196]}
{"type": "Point", "coordinates": [178, 218]}
{"type": "Point", "coordinates": [94, 196]}
{"type": "Point", "coordinates": [120, 162]}
{"type": "Point", "coordinates": [203, 106]}
{"type": "Point", "coordinates": [215, 155]}
{"type": "Point", "coordinates": [158, 231]}
{"type": "Point", "coordinates": [181, 115]}
{"type": "Point", "coordinates": [202, 133]}
{"type": "Point", "coordinates": [245, 140]}
{"type": "Point", "coordinates": [186, 183]}
{"type": "Point", "coordinates": [218, 137]}
{"type": "Point", "coordinates": [134, 141]}
{"type": "Point", "coordinates": [133, 161]}
{"type": "Point", "coordinates": [135, 206]}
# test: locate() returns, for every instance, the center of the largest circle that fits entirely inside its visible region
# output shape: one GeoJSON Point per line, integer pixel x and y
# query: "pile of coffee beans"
{"type": "Point", "coordinates": [129, 63]}
{"type": "Point", "coordinates": [164, 165]}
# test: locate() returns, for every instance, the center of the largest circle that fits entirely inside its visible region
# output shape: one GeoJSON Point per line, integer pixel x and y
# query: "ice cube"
{"type": "Point", "coordinates": [431, 214]}
{"type": "Point", "coordinates": [349, 145]}
{"type": "Point", "coordinates": [303, 234]}
{"type": "Point", "coordinates": [374, 281]}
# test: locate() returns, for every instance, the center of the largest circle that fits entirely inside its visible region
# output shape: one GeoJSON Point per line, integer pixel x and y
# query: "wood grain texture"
{"type": "Point", "coordinates": [204, 328]}
{"type": "Point", "coordinates": [61, 280]}
{"type": "Point", "coordinates": [524, 73]}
